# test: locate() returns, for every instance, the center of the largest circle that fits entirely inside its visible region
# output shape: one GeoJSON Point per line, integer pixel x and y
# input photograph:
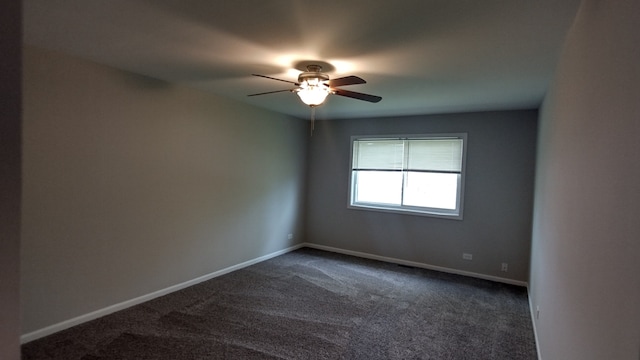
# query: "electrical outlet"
{"type": "Point", "coordinates": [466, 256]}
{"type": "Point", "coordinates": [290, 236]}
{"type": "Point", "coordinates": [505, 267]}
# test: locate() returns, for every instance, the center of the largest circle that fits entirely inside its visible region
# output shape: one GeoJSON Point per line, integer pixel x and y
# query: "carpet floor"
{"type": "Point", "coordinates": [312, 304]}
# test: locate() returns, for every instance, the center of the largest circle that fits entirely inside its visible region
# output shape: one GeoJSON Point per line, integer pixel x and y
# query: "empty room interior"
{"type": "Point", "coordinates": [152, 146]}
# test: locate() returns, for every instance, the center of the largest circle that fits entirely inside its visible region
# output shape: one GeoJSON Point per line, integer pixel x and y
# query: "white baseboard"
{"type": "Point", "coordinates": [416, 264]}
{"type": "Point", "coordinates": [126, 304]}
{"type": "Point", "coordinates": [533, 322]}
{"type": "Point", "coordinates": [25, 338]}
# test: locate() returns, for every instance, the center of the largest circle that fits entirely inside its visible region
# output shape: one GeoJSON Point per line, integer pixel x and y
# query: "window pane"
{"type": "Point", "coordinates": [380, 187]}
{"type": "Point", "coordinates": [437, 155]}
{"type": "Point", "coordinates": [378, 154]}
{"type": "Point", "coordinates": [434, 190]}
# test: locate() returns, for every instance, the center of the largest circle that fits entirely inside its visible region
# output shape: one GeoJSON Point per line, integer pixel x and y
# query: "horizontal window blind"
{"type": "Point", "coordinates": [414, 155]}
{"type": "Point", "coordinates": [435, 155]}
{"type": "Point", "coordinates": [378, 155]}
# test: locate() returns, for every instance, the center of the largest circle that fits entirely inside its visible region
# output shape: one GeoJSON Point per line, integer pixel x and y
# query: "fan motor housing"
{"type": "Point", "coordinates": [313, 72]}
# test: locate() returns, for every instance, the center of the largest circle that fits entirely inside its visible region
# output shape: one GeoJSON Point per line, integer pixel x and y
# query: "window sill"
{"type": "Point", "coordinates": [405, 211]}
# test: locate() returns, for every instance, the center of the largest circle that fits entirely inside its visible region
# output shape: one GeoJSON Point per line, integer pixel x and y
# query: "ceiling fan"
{"type": "Point", "coordinates": [314, 86]}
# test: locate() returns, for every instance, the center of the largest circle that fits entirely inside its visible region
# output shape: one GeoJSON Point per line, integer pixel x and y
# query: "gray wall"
{"type": "Point", "coordinates": [10, 147]}
{"type": "Point", "coordinates": [585, 273]}
{"type": "Point", "coordinates": [498, 195]}
{"type": "Point", "coordinates": [132, 185]}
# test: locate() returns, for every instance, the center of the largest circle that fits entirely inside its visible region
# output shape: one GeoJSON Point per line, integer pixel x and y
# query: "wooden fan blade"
{"type": "Point", "coordinates": [271, 92]}
{"type": "Point", "coordinates": [357, 95]}
{"type": "Point", "coordinates": [272, 78]}
{"type": "Point", "coordinates": [347, 80]}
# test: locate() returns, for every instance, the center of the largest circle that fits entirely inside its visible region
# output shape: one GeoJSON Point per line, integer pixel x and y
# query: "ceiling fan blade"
{"type": "Point", "coordinates": [272, 78]}
{"type": "Point", "coordinates": [357, 95]}
{"type": "Point", "coordinates": [271, 92]}
{"type": "Point", "coordinates": [347, 80]}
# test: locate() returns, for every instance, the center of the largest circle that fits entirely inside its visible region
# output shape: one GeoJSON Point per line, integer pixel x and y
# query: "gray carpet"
{"type": "Point", "coordinates": [311, 304]}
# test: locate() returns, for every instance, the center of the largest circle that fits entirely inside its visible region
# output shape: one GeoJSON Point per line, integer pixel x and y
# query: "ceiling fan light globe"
{"type": "Point", "coordinates": [313, 95]}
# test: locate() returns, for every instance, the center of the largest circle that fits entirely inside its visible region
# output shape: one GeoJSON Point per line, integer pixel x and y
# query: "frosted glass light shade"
{"type": "Point", "coordinates": [313, 92]}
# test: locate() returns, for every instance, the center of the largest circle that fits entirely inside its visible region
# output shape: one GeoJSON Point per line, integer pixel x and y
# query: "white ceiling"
{"type": "Point", "coordinates": [421, 56]}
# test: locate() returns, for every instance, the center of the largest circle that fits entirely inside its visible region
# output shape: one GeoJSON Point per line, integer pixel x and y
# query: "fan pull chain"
{"type": "Point", "coordinates": [313, 118]}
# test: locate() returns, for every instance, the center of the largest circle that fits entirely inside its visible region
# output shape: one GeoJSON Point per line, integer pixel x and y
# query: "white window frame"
{"type": "Point", "coordinates": [456, 214]}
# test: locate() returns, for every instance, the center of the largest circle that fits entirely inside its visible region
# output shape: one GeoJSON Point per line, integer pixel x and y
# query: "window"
{"type": "Point", "coordinates": [418, 174]}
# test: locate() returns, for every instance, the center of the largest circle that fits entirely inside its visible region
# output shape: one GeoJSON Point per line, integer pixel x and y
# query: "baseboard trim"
{"type": "Point", "coordinates": [25, 338]}
{"type": "Point", "coordinates": [533, 322]}
{"type": "Point", "coordinates": [139, 300]}
{"type": "Point", "coordinates": [416, 264]}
